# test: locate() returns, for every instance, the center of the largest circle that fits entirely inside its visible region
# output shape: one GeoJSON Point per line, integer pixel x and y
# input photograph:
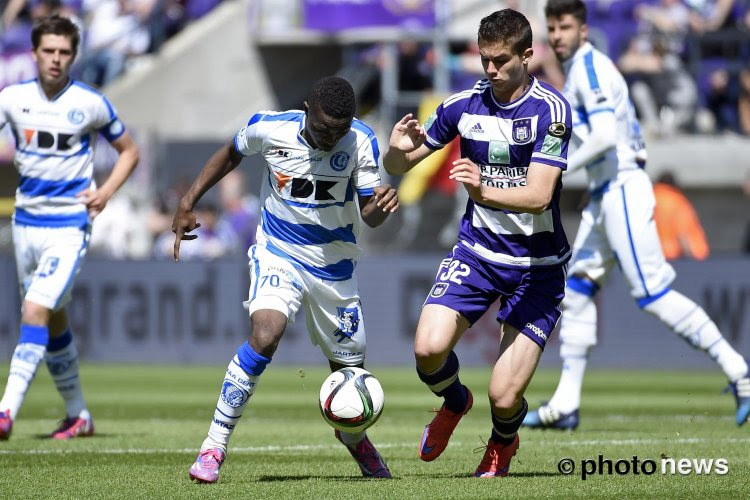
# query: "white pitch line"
{"type": "Point", "coordinates": [286, 449]}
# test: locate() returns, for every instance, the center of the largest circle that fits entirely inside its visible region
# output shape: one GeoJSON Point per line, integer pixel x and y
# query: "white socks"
{"type": "Point", "coordinates": [690, 321]}
{"type": "Point", "coordinates": [26, 359]}
{"type": "Point", "coordinates": [236, 390]}
{"type": "Point", "coordinates": [63, 367]}
{"type": "Point", "coordinates": [567, 397]}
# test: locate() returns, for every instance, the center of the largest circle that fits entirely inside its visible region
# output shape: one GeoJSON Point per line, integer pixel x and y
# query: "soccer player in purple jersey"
{"type": "Point", "coordinates": [511, 246]}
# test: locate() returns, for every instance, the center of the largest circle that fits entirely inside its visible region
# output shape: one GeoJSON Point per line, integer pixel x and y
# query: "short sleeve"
{"type": "Point", "coordinates": [366, 174]}
{"type": "Point", "coordinates": [105, 120]}
{"type": "Point", "coordinates": [592, 85]}
{"type": "Point", "coordinates": [248, 140]}
{"type": "Point", "coordinates": [442, 126]}
{"type": "Point", "coordinates": [554, 129]}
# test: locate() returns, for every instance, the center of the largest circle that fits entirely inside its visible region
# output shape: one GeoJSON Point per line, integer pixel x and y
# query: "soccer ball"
{"type": "Point", "coordinates": [351, 399]}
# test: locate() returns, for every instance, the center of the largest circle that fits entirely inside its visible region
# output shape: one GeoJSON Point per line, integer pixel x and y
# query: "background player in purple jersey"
{"type": "Point", "coordinates": [514, 134]}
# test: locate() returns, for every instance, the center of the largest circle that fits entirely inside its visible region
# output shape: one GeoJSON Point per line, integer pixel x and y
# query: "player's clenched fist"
{"type": "Point", "coordinates": [387, 198]}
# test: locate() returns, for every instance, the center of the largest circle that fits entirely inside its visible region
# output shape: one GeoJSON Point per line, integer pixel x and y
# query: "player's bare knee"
{"type": "Point", "coordinates": [265, 340]}
{"type": "Point", "coordinates": [429, 362]}
{"type": "Point", "coordinates": [267, 329]}
{"type": "Point", "coordinates": [506, 402]}
{"type": "Point", "coordinates": [35, 314]}
{"type": "Point", "coordinates": [430, 353]}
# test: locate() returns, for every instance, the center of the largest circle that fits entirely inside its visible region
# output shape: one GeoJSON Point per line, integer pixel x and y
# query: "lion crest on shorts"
{"type": "Point", "coordinates": [348, 321]}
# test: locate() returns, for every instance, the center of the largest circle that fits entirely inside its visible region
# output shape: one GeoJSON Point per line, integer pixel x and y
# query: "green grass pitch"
{"type": "Point", "coordinates": [150, 421]}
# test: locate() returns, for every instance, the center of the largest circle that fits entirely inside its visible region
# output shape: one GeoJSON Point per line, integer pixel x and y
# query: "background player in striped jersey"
{"type": "Point", "coordinates": [316, 160]}
{"type": "Point", "coordinates": [514, 134]}
{"type": "Point", "coordinates": [617, 225]}
{"type": "Point", "coordinates": [55, 121]}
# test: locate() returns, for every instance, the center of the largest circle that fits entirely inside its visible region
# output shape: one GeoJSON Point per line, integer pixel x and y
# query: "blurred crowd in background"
{"type": "Point", "coordinates": [687, 63]}
{"type": "Point", "coordinates": [115, 33]}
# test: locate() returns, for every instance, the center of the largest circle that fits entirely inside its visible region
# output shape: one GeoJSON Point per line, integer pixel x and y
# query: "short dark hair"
{"type": "Point", "coordinates": [334, 95]}
{"type": "Point", "coordinates": [55, 25]}
{"type": "Point", "coordinates": [558, 8]}
{"type": "Point", "coordinates": [506, 26]}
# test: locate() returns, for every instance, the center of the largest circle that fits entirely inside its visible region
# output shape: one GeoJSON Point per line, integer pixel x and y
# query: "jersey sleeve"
{"type": "Point", "coordinates": [592, 86]}
{"type": "Point", "coordinates": [442, 126]}
{"type": "Point", "coordinates": [105, 120]}
{"type": "Point", "coordinates": [366, 175]}
{"type": "Point", "coordinates": [554, 129]}
{"type": "Point", "coordinates": [249, 140]}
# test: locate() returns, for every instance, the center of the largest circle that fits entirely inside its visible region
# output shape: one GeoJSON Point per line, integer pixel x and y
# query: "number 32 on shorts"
{"type": "Point", "coordinates": [454, 272]}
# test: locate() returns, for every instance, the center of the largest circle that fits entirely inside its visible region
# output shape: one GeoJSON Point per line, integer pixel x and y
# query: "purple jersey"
{"type": "Point", "coordinates": [503, 139]}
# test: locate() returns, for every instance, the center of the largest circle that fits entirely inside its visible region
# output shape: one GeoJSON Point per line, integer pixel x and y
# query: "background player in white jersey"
{"type": "Point", "coordinates": [617, 225]}
{"type": "Point", "coordinates": [316, 160]}
{"type": "Point", "coordinates": [55, 121]}
{"type": "Point", "coordinates": [514, 133]}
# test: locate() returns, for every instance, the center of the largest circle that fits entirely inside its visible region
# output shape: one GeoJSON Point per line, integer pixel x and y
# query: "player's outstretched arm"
{"type": "Point", "coordinates": [376, 208]}
{"type": "Point", "coordinates": [127, 159]}
{"type": "Point", "coordinates": [532, 198]}
{"type": "Point", "coordinates": [406, 146]}
{"type": "Point", "coordinates": [220, 164]}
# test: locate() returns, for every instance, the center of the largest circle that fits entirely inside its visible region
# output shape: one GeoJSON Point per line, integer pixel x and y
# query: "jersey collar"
{"type": "Point", "coordinates": [56, 96]}
{"type": "Point", "coordinates": [584, 49]}
{"type": "Point", "coordinates": [517, 102]}
{"type": "Point", "coordinates": [300, 136]}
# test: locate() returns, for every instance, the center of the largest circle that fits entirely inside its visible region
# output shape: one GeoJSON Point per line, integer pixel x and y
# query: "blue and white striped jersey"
{"type": "Point", "coordinates": [595, 85]}
{"type": "Point", "coordinates": [309, 213]}
{"type": "Point", "coordinates": [55, 140]}
{"type": "Point", "coordinates": [503, 139]}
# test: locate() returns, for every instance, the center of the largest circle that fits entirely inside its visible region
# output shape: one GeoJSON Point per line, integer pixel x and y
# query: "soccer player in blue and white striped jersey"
{"type": "Point", "coordinates": [321, 179]}
{"type": "Point", "coordinates": [617, 226]}
{"type": "Point", "coordinates": [55, 121]}
{"type": "Point", "coordinates": [514, 133]}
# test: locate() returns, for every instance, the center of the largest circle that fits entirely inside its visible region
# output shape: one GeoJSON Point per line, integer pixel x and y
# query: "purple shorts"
{"type": "Point", "coordinates": [530, 298]}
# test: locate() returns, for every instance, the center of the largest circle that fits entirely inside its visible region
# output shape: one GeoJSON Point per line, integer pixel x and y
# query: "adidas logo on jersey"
{"type": "Point", "coordinates": [477, 129]}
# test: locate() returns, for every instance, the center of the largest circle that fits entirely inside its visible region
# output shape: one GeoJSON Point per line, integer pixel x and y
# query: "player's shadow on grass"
{"type": "Point", "coordinates": [48, 437]}
{"type": "Point", "coordinates": [306, 477]}
{"type": "Point", "coordinates": [534, 474]}
{"type": "Point", "coordinates": [463, 475]}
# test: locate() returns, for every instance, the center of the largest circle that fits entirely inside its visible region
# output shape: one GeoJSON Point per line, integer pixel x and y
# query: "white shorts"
{"type": "Point", "coordinates": [333, 309]}
{"type": "Point", "coordinates": [47, 260]}
{"type": "Point", "coordinates": [619, 228]}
